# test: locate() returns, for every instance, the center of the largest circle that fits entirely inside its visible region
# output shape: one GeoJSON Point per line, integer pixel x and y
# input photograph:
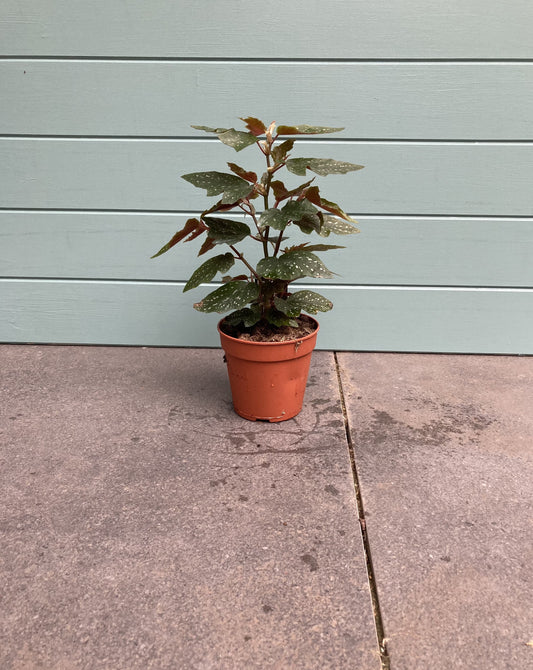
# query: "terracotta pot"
{"type": "Point", "coordinates": [268, 379]}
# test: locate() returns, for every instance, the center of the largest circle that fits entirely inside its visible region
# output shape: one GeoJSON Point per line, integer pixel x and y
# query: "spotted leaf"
{"type": "Point", "coordinates": [232, 187]}
{"type": "Point", "coordinates": [293, 265]}
{"type": "Point", "coordinates": [321, 166]}
{"type": "Point", "coordinates": [274, 218]}
{"type": "Point", "coordinates": [226, 231]}
{"type": "Point", "coordinates": [237, 139]}
{"type": "Point", "coordinates": [248, 316]}
{"type": "Point", "coordinates": [306, 130]}
{"type": "Point", "coordinates": [332, 225]}
{"type": "Point", "coordinates": [233, 295]}
{"type": "Point", "coordinates": [303, 301]}
{"type": "Point", "coordinates": [208, 270]}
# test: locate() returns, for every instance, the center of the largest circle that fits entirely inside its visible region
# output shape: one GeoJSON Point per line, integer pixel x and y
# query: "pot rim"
{"type": "Point", "coordinates": [284, 342]}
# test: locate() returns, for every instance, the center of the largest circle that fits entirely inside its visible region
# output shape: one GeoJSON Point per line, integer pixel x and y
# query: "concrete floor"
{"type": "Point", "coordinates": [145, 525]}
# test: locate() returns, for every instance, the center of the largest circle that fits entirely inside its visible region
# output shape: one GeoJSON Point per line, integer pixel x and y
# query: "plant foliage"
{"type": "Point", "coordinates": [262, 294]}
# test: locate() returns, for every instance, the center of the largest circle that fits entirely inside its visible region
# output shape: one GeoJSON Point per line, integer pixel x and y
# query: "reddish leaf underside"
{"type": "Point", "coordinates": [255, 126]}
{"type": "Point", "coordinates": [313, 195]}
{"type": "Point", "coordinates": [208, 244]}
{"type": "Point", "coordinates": [192, 227]}
{"type": "Point", "coordinates": [241, 172]}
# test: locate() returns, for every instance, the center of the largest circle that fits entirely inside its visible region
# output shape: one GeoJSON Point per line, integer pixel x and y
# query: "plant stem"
{"type": "Point", "coordinates": [251, 212]}
{"type": "Point", "coordinates": [265, 201]}
{"type": "Point", "coordinates": [243, 259]}
{"type": "Point", "coordinates": [278, 243]}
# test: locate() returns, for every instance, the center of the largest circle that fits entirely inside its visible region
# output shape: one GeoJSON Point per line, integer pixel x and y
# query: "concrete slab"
{"type": "Point", "coordinates": [145, 525]}
{"type": "Point", "coordinates": [444, 451]}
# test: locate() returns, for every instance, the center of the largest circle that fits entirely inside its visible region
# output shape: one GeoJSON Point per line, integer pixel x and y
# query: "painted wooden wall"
{"type": "Point", "coordinates": [436, 98]}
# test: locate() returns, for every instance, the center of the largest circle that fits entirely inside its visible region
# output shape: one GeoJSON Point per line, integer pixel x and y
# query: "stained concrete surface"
{"type": "Point", "coordinates": [444, 452]}
{"type": "Point", "coordinates": [145, 525]}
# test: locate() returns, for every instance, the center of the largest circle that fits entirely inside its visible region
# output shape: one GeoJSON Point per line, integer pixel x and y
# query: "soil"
{"type": "Point", "coordinates": [264, 332]}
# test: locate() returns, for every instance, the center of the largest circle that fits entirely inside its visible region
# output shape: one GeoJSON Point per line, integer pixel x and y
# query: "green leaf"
{"type": "Point", "coordinates": [237, 139]}
{"type": "Point", "coordinates": [306, 130]}
{"type": "Point", "coordinates": [322, 247]}
{"type": "Point", "coordinates": [278, 319]}
{"type": "Point", "coordinates": [233, 188]}
{"type": "Point", "coordinates": [332, 225]}
{"type": "Point", "coordinates": [234, 295]}
{"type": "Point", "coordinates": [269, 267]}
{"type": "Point", "coordinates": [281, 150]}
{"type": "Point", "coordinates": [226, 231]}
{"type": "Point", "coordinates": [293, 265]}
{"type": "Point", "coordinates": [322, 166]}
{"type": "Point", "coordinates": [192, 227]}
{"type": "Point", "coordinates": [207, 129]}
{"type": "Point", "coordinates": [297, 209]}
{"type": "Point", "coordinates": [254, 125]}
{"type": "Point", "coordinates": [233, 138]}
{"type": "Point", "coordinates": [303, 214]}
{"type": "Point", "coordinates": [241, 172]}
{"type": "Point", "coordinates": [208, 270]}
{"type": "Point", "coordinates": [274, 218]}
{"type": "Point", "coordinates": [248, 316]}
{"type": "Point", "coordinates": [306, 301]}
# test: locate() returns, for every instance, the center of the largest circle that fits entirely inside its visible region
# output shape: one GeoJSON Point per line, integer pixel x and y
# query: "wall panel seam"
{"type": "Point", "coordinates": [339, 287]}
{"type": "Point", "coordinates": [182, 212]}
{"type": "Point", "coordinates": [190, 138]}
{"type": "Point", "coordinates": [235, 60]}
{"type": "Point", "coordinates": [302, 142]}
{"type": "Point", "coordinates": [196, 212]}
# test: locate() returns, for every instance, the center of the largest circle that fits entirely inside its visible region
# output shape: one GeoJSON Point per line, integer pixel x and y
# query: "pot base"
{"type": "Point", "coordinates": [270, 419]}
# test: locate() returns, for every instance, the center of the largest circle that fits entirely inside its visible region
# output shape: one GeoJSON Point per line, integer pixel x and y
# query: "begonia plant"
{"type": "Point", "coordinates": [261, 291]}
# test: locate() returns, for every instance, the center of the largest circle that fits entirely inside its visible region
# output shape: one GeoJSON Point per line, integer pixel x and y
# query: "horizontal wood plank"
{"type": "Point", "coordinates": [426, 178]}
{"type": "Point", "coordinates": [404, 251]}
{"type": "Point", "coordinates": [298, 29]}
{"type": "Point", "coordinates": [373, 319]}
{"type": "Point", "coordinates": [372, 100]}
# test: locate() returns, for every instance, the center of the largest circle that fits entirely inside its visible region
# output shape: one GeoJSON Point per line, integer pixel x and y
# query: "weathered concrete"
{"type": "Point", "coordinates": [145, 525]}
{"type": "Point", "coordinates": [444, 451]}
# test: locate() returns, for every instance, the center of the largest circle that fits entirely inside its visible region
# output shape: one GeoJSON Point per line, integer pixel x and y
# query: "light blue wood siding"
{"type": "Point", "coordinates": [444, 101]}
{"type": "Point", "coordinates": [382, 29]}
{"type": "Point", "coordinates": [437, 103]}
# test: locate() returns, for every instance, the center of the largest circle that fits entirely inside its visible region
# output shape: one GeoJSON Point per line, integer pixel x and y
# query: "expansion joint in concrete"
{"type": "Point", "coordinates": [378, 620]}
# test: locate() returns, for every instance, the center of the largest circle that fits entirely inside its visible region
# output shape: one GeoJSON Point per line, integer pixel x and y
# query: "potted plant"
{"type": "Point", "coordinates": [268, 337]}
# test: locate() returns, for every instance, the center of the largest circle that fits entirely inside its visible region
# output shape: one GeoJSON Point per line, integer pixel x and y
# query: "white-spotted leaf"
{"type": "Point", "coordinates": [226, 231]}
{"type": "Point", "coordinates": [303, 301]}
{"type": "Point", "coordinates": [233, 188]}
{"type": "Point", "coordinates": [306, 130]}
{"type": "Point", "coordinates": [248, 316]}
{"type": "Point", "coordinates": [208, 270]}
{"type": "Point", "coordinates": [321, 166]}
{"type": "Point", "coordinates": [237, 139]}
{"type": "Point", "coordinates": [293, 265]}
{"type": "Point", "coordinates": [274, 218]}
{"type": "Point", "coordinates": [233, 295]}
{"type": "Point", "coordinates": [332, 225]}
